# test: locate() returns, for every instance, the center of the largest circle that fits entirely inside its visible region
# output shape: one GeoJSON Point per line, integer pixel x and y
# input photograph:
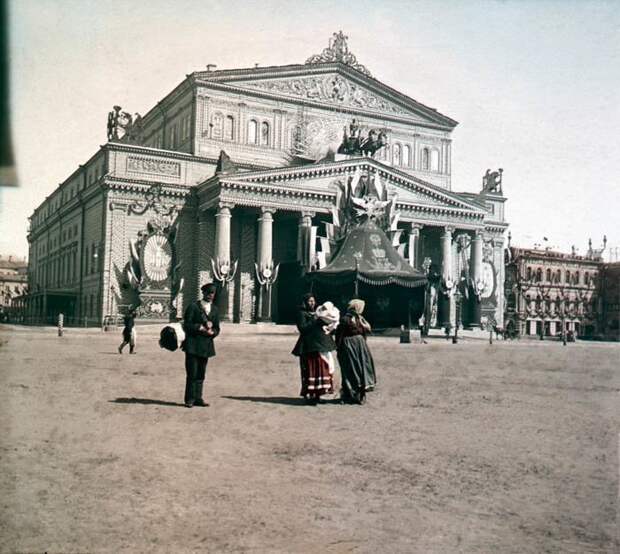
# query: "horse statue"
{"type": "Point", "coordinates": [373, 143]}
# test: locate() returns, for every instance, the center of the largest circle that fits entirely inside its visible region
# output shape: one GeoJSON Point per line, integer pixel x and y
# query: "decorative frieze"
{"type": "Point", "coordinates": [331, 89]}
{"type": "Point", "coordinates": [153, 166]}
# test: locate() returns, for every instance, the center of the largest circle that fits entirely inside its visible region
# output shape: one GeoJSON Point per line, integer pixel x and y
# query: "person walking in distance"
{"type": "Point", "coordinates": [201, 324]}
{"type": "Point", "coordinates": [129, 332]}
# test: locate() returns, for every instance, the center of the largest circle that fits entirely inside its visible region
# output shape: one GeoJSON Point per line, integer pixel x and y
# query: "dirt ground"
{"type": "Point", "coordinates": [510, 447]}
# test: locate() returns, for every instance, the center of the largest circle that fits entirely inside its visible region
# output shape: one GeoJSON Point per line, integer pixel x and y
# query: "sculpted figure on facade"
{"type": "Point", "coordinates": [338, 51]}
{"type": "Point", "coordinates": [122, 124]}
{"type": "Point", "coordinates": [492, 181]}
{"type": "Point", "coordinates": [354, 144]}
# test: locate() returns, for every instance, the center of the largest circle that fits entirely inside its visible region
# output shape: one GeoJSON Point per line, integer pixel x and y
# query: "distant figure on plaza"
{"type": "Point", "coordinates": [201, 324]}
{"type": "Point", "coordinates": [314, 348]}
{"type": "Point", "coordinates": [357, 367]}
{"type": "Point", "coordinates": [129, 332]}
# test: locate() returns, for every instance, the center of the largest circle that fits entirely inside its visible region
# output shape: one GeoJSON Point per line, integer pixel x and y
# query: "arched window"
{"type": "Point", "coordinates": [252, 132]}
{"type": "Point", "coordinates": [407, 156]}
{"type": "Point", "coordinates": [539, 275]}
{"type": "Point", "coordinates": [396, 157]}
{"type": "Point", "coordinates": [548, 275]}
{"type": "Point", "coordinates": [567, 278]}
{"type": "Point", "coordinates": [529, 273]}
{"type": "Point", "coordinates": [558, 276]}
{"type": "Point", "coordinates": [586, 278]}
{"type": "Point", "coordinates": [229, 128]}
{"type": "Point", "coordinates": [576, 277]}
{"type": "Point", "coordinates": [434, 160]}
{"type": "Point", "coordinates": [264, 133]}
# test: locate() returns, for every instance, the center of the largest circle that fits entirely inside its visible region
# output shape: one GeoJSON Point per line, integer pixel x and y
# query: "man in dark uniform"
{"type": "Point", "coordinates": [201, 324]}
{"type": "Point", "coordinates": [129, 332]}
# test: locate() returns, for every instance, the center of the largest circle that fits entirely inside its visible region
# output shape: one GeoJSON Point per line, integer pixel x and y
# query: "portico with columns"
{"type": "Point", "coordinates": [269, 225]}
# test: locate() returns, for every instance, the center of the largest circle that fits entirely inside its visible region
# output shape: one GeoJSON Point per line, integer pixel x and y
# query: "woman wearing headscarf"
{"type": "Point", "coordinates": [356, 364]}
{"type": "Point", "coordinates": [314, 347]}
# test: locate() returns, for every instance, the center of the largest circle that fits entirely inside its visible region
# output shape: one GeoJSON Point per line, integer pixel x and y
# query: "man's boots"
{"type": "Point", "coordinates": [198, 400]}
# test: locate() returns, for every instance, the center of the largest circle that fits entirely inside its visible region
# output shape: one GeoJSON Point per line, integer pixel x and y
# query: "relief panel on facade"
{"type": "Point", "coordinates": [332, 89]}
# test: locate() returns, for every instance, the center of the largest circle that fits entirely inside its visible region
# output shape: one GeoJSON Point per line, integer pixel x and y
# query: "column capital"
{"type": "Point", "coordinates": [264, 210]}
{"type": "Point", "coordinates": [224, 207]}
{"type": "Point", "coordinates": [307, 213]}
{"type": "Point", "coordinates": [416, 227]}
{"type": "Point", "coordinates": [478, 234]}
{"type": "Point", "coordinates": [449, 229]}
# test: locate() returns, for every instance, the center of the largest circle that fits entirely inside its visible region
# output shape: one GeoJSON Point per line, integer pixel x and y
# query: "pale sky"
{"type": "Point", "coordinates": [533, 85]}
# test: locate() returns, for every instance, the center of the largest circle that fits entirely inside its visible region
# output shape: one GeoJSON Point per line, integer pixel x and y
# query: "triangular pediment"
{"type": "Point", "coordinates": [328, 177]}
{"type": "Point", "coordinates": [332, 89]}
{"type": "Point", "coordinates": [331, 84]}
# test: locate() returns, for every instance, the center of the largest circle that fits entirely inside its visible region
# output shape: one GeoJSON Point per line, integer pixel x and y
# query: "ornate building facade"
{"type": "Point", "coordinates": [13, 285]}
{"type": "Point", "coordinates": [235, 175]}
{"type": "Point", "coordinates": [548, 292]}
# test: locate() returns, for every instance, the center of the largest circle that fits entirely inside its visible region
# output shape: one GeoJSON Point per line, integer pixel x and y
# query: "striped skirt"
{"type": "Point", "coordinates": [316, 377]}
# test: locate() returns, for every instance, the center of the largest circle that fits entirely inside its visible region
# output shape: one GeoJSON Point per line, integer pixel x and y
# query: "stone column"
{"type": "Point", "coordinates": [222, 257]}
{"type": "Point", "coordinates": [222, 231]}
{"type": "Point", "coordinates": [414, 240]}
{"type": "Point", "coordinates": [305, 249]}
{"type": "Point", "coordinates": [446, 310]}
{"type": "Point", "coordinates": [264, 258]}
{"type": "Point", "coordinates": [476, 274]}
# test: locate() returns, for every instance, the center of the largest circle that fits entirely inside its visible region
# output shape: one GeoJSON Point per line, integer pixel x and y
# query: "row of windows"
{"type": "Point", "coordinates": [225, 128]}
{"type": "Point", "coordinates": [67, 234]}
{"type": "Point", "coordinates": [63, 269]}
{"type": "Point", "coordinates": [66, 194]}
{"type": "Point", "coordinates": [401, 156]}
{"type": "Point", "coordinates": [558, 304]}
{"type": "Point", "coordinates": [572, 278]}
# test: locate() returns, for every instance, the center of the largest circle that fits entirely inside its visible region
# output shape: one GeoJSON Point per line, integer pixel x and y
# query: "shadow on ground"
{"type": "Point", "coordinates": [286, 400]}
{"type": "Point", "coordinates": [145, 401]}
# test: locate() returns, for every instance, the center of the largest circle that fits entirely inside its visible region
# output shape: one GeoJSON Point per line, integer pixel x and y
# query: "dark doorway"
{"type": "Point", "coordinates": [291, 287]}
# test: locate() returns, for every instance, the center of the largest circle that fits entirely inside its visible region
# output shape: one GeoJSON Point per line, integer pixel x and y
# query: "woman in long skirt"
{"type": "Point", "coordinates": [313, 347]}
{"type": "Point", "coordinates": [356, 364]}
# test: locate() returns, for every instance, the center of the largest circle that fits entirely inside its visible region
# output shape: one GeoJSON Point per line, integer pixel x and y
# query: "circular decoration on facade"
{"type": "Point", "coordinates": [488, 279]}
{"type": "Point", "coordinates": [157, 258]}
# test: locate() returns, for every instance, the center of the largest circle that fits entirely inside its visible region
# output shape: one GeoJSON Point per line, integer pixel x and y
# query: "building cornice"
{"type": "Point", "coordinates": [345, 167]}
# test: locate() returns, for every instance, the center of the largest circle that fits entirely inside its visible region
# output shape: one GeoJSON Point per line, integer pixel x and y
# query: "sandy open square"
{"type": "Point", "coordinates": [462, 448]}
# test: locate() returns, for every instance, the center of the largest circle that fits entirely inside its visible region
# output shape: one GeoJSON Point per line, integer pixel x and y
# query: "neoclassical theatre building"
{"type": "Point", "coordinates": [234, 176]}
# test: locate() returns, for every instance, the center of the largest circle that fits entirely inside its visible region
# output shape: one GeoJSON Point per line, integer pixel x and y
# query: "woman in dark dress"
{"type": "Point", "coordinates": [313, 347]}
{"type": "Point", "coordinates": [356, 364]}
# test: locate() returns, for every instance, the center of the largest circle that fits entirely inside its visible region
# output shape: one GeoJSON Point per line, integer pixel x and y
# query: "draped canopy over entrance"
{"type": "Point", "coordinates": [366, 265]}
{"type": "Point", "coordinates": [367, 256]}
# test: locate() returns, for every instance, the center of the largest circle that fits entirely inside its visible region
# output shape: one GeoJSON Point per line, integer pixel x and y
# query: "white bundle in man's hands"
{"type": "Point", "coordinates": [329, 314]}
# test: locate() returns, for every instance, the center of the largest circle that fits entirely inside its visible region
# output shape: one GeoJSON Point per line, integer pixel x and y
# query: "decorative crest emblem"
{"type": "Point", "coordinates": [338, 51]}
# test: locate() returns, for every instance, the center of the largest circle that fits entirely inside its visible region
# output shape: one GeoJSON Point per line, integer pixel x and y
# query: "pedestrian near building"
{"type": "Point", "coordinates": [201, 324]}
{"type": "Point", "coordinates": [356, 364]}
{"type": "Point", "coordinates": [314, 347]}
{"type": "Point", "coordinates": [129, 332]}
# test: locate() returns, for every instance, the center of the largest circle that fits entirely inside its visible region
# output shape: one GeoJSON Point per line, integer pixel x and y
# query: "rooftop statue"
{"type": "Point", "coordinates": [122, 124]}
{"type": "Point", "coordinates": [354, 144]}
{"type": "Point", "coordinates": [338, 51]}
{"type": "Point", "coordinates": [492, 181]}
